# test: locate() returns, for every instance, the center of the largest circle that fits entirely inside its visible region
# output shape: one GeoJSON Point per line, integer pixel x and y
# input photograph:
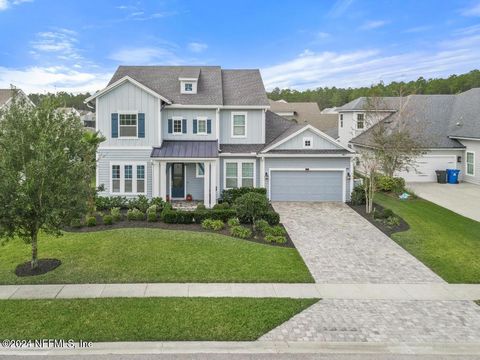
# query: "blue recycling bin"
{"type": "Point", "coordinates": [452, 176]}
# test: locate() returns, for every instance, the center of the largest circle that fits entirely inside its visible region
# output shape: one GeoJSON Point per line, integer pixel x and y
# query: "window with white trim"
{"type": "Point", "coordinates": [188, 87]}
{"type": "Point", "coordinates": [360, 121]}
{"type": "Point", "coordinates": [470, 163]}
{"type": "Point", "coordinates": [128, 178]}
{"type": "Point", "coordinates": [115, 178]}
{"type": "Point", "coordinates": [200, 171]}
{"type": "Point", "coordinates": [341, 120]}
{"type": "Point", "coordinates": [177, 126]}
{"type": "Point", "coordinates": [202, 126]}
{"type": "Point", "coordinates": [239, 173]}
{"type": "Point", "coordinates": [128, 125]}
{"type": "Point", "coordinates": [239, 124]}
{"type": "Point", "coordinates": [307, 142]}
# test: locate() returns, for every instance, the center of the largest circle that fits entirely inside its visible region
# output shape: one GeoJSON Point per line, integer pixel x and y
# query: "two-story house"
{"type": "Point", "coordinates": [447, 127]}
{"type": "Point", "coordinates": [174, 131]}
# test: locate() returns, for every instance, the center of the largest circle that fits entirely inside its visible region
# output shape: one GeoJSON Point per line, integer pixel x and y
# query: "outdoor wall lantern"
{"type": "Point", "coordinates": [266, 176]}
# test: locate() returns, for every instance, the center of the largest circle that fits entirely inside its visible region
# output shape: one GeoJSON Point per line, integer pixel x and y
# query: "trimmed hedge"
{"type": "Point", "coordinates": [231, 195]}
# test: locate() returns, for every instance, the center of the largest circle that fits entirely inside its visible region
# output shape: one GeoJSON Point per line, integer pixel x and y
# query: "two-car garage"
{"type": "Point", "coordinates": [307, 184]}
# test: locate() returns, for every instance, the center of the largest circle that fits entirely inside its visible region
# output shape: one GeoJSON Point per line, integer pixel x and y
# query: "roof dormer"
{"type": "Point", "coordinates": [189, 80]}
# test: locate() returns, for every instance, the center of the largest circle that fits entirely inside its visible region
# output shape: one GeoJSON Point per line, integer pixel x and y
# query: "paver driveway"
{"type": "Point", "coordinates": [340, 246]}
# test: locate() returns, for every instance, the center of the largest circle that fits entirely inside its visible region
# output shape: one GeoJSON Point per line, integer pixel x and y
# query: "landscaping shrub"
{"type": "Point", "coordinates": [358, 196]}
{"type": "Point", "coordinates": [107, 219]}
{"type": "Point", "coordinates": [76, 223]}
{"type": "Point", "coordinates": [170, 216]}
{"type": "Point", "coordinates": [158, 201]}
{"type": "Point", "coordinates": [135, 215]}
{"type": "Point", "coordinates": [276, 230]}
{"type": "Point", "coordinates": [391, 184]}
{"type": "Point", "coordinates": [231, 195]}
{"type": "Point", "coordinates": [233, 222]}
{"type": "Point", "coordinates": [108, 202]}
{"type": "Point", "coordinates": [240, 232]}
{"type": "Point", "coordinates": [141, 203]}
{"type": "Point", "coordinates": [91, 221]}
{"type": "Point", "coordinates": [261, 225]}
{"type": "Point", "coordinates": [382, 214]}
{"type": "Point", "coordinates": [221, 206]}
{"type": "Point", "coordinates": [201, 207]}
{"type": "Point", "coordinates": [116, 214]}
{"type": "Point", "coordinates": [251, 206]}
{"type": "Point", "coordinates": [392, 221]}
{"type": "Point", "coordinates": [277, 239]}
{"type": "Point", "coordinates": [215, 225]}
{"type": "Point", "coordinates": [221, 214]}
{"type": "Point", "coordinates": [272, 217]}
{"type": "Point", "coordinates": [152, 213]}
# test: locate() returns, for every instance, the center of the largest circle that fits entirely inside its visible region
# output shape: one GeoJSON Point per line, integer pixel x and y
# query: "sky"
{"type": "Point", "coordinates": [71, 45]}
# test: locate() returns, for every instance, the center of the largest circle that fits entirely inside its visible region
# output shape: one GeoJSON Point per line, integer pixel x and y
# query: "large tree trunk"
{"type": "Point", "coordinates": [34, 251]}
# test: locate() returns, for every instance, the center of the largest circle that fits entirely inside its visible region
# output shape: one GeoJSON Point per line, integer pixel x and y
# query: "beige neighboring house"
{"type": "Point", "coordinates": [7, 95]}
{"type": "Point", "coordinates": [307, 113]}
{"type": "Point", "coordinates": [87, 117]}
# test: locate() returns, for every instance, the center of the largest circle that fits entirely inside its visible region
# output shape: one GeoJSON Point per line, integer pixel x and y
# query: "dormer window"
{"type": "Point", "coordinates": [188, 87]}
{"type": "Point", "coordinates": [307, 142]}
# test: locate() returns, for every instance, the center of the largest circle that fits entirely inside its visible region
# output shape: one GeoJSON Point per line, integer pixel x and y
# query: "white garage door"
{"type": "Point", "coordinates": [425, 166]}
{"type": "Point", "coordinates": [302, 185]}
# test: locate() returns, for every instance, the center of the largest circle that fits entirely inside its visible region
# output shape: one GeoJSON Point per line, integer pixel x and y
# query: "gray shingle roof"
{"type": "Point", "coordinates": [215, 86]}
{"type": "Point", "coordinates": [427, 116]}
{"type": "Point", "coordinates": [275, 125]}
{"type": "Point", "coordinates": [243, 87]}
{"type": "Point", "coordinates": [241, 148]}
{"type": "Point", "coordinates": [5, 95]}
{"type": "Point", "coordinates": [465, 117]}
{"type": "Point", "coordinates": [361, 103]}
{"type": "Point", "coordinates": [186, 149]}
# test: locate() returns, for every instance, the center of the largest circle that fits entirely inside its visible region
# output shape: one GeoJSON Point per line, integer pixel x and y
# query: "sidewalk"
{"type": "Point", "coordinates": [429, 291]}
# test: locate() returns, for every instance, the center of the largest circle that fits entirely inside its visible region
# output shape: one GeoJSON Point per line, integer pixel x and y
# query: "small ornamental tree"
{"type": "Point", "coordinates": [251, 206]}
{"type": "Point", "coordinates": [46, 168]}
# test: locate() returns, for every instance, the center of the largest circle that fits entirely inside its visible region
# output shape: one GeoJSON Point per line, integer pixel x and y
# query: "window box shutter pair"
{"type": "Point", "coordinates": [140, 124]}
{"type": "Point", "coordinates": [209, 126]}
{"type": "Point", "coordinates": [170, 126]}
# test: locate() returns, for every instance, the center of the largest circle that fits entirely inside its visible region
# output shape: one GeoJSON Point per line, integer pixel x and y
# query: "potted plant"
{"type": "Point", "coordinates": [189, 197]}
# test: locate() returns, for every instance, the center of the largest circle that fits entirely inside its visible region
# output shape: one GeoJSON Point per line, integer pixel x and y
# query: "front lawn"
{"type": "Point", "coordinates": [446, 242]}
{"type": "Point", "coordinates": [146, 319]}
{"type": "Point", "coordinates": [154, 255]}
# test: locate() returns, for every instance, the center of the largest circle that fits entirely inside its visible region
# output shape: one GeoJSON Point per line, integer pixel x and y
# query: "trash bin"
{"type": "Point", "coordinates": [452, 176]}
{"type": "Point", "coordinates": [441, 176]}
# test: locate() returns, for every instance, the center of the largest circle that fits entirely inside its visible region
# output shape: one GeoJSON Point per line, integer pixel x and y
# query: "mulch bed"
{"type": "Point", "coordinates": [360, 209]}
{"type": "Point", "coordinates": [44, 266]}
{"type": "Point", "coordinates": [186, 227]}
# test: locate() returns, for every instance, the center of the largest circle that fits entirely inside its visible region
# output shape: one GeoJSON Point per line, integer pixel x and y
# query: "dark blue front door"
{"type": "Point", "coordinates": [178, 181]}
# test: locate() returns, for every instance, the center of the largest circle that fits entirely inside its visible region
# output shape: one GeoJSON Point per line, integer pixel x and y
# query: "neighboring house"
{"type": "Point", "coordinates": [7, 96]}
{"type": "Point", "coordinates": [449, 128]}
{"type": "Point", "coordinates": [86, 117]}
{"type": "Point", "coordinates": [307, 113]}
{"type": "Point", "coordinates": [177, 130]}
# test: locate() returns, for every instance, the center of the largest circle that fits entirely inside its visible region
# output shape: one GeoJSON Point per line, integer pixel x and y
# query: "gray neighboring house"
{"type": "Point", "coordinates": [7, 96]}
{"type": "Point", "coordinates": [307, 113]}
{"type": "Point", "coordinates": [449, 127]}
{"type": "Point", "coordinates": [173, 131]}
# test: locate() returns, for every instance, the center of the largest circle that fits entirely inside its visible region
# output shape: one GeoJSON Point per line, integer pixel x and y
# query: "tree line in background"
{"type": "Point", "coordinates": [327, 97]}
{"type": "Point", "coordinates": [64, 99]}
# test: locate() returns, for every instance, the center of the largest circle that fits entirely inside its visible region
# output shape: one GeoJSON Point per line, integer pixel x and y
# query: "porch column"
{"type": "Point", "coordinates": [262, 172]}
{"type": "Point", "coordinates": [163, 180]}
{"type": "Point", "coordinates": [206, 185]}
{"type": "Point", "coordinates": [155, 179]}
{"type": "Point", "coordinates": [213, 184]}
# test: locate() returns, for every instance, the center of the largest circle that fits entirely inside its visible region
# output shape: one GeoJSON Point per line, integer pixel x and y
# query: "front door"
{"type": "Point", "coordinates": [178, 181]}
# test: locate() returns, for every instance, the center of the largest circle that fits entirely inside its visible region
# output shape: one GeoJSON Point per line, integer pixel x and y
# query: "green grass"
{"type": "Point", "coordinates": [146, 319]}
{"type": "Point", "coordinates": [154, 255]}
{"type": "Point", "coordinates": [446, 242]}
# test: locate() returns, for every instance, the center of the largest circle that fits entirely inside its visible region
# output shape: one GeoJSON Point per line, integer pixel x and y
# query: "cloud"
{"type": "Point", "coordinates": [322, 35]}
{"type": "Point", "coordinates": [418, 29]}
{"type": "Point", "coordinates": [59, 43]}
{"type": "Point", "coordinates": [197, 47]}
{"type": "Point", "coordinates": [145, 56]}
{"type": "Point", "coordinates": [339, 8]}
{"type": "Point", "coordinates": [373, 24]}
{"type": "Point", "coordinates": [474, 10]}
{"type": "Point", "coordinates": [55, 78]}
{"type": "Point", "coordinates": [364, 67]}
{"type": "Point", "coordinates": [5, 4]}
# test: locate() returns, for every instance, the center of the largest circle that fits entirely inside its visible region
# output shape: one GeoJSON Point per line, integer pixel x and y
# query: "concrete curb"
{"type": "Point", "coordinates": [253, 347]}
